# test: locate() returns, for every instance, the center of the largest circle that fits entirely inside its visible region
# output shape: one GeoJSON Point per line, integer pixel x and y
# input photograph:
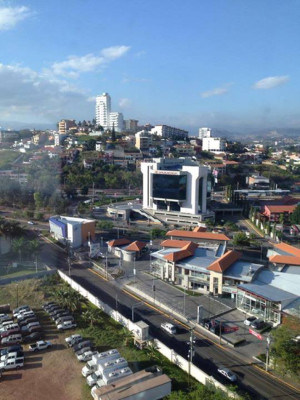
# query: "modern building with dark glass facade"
{"type": "Point", "coordinates": [175, 187]}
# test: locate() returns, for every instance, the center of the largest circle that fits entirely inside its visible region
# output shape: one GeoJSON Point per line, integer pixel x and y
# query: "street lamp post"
{"type": "Point", "coordinates": [184, 301]}
{"type": "Point", "coordinates": [267, 354]}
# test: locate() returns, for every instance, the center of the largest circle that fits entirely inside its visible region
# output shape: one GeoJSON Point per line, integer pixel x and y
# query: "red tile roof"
{"type": "Point", "coordinates": [288, 249]}
{"type": "Point", "coordinates": [118, 242]}
{"type": "Point", "coordinates": [174, 243]}
{"type": "Point", "coordinates": [282, 208]}
{"type": "Point", "coordinates": [136, 246]}
{"type": "Point", "coordinates": [199, 229]}
{"type": "Point", "coordinates": [225, 261]}
{"type": "Point", "coordinates": [187, 250]}
{"type": "Point", "coordinates": [197, 235]}
{"type": "Point", "coordinates": [279, 259]}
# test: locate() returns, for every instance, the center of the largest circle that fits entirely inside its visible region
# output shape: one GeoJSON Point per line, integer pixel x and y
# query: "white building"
{"type": "Point", "coordinates": [168, 131]}
{"type": "Point", "coordinates": [175, 188]}
{"type": "Point", "coordinates": [103, 110]}
{"type": "Point", "coordinates": [116, 120]}
{"type": "Point", "coordinates": [59, 138]}
{"type": "Point", "coordinates": [213, 144]}
{"type": "Point", "coordinates": [72, 231]}
{"type": "Point", "coordinates": [204, 133]}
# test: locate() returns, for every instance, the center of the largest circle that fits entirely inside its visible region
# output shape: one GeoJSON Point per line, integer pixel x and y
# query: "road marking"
{"type": "Point", "coordinates": [196, 332]}
{"type": "Point", "coordinates": [276, 377]}
{"type": "Point", "coordinates": [97, 273]}
{"type": "Point", "coordinates": [253, 227]}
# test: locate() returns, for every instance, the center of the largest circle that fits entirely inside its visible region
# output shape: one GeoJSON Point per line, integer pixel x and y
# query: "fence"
{"type": "Point", "coordinates": [170, 354]}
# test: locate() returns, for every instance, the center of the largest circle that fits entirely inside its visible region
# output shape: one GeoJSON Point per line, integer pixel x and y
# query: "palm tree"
{"type": "Point", "coordinates": [128, 337]}
{"type": "Point", "coordinates": [18, 246]}
{"type": "Point", "coordinates": [92, 316]}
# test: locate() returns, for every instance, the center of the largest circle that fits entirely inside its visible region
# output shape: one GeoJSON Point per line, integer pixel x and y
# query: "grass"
{"type": "Point", "coordinates": [12, 272]}
{"type": "Point", "coordinates": [7, 157]}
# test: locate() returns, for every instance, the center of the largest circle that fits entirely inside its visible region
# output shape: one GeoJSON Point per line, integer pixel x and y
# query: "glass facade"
{"type": "Point", "coordinates": [169, 186]}
{"type": "Point", "coordinates": [258, 306]}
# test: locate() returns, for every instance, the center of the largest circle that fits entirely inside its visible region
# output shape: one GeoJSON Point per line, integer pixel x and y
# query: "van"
{"type": "Point", "coordinates": [16, 338]}
{"type": "Point", "coordinates": [24, 315]}
{"type": "Point", "coordinates": [6, 324]}
{"type": "Point", "coordinates": [29, 326]}
{"type": "Point", "coordinates": [66, 318]}
{"type": "Point", "coordinates": [169, 328]}
{"type": "Point", "coordinates": [10, 331]}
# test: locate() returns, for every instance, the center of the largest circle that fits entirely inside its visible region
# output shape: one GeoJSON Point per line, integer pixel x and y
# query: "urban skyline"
{"type": "Point", "coordinates": [229, 66]}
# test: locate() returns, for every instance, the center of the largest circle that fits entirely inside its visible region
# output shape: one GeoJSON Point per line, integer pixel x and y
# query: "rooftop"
{"type": "Point", "coordinates": [136, 246]}
{"type": "Point", "coordinates": [198, 235]}
{"type": "Point", "coordinates": [118, 242]}
{"type": "Point", "coordinates": [224, 262]}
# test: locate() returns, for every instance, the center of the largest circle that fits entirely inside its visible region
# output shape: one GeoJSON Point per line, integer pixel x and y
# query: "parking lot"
{"type": "Point", "coordinates": [49, 374]}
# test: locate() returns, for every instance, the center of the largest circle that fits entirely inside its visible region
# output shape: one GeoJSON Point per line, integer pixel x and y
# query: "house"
{"type": "Point", "coordinates": [125, 250]}
{"type": "Point", "coordinates": [274, 213]}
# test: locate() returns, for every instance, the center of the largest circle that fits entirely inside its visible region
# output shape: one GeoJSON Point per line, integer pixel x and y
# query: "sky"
{"type": "Point", "coordinates": [226, 64]}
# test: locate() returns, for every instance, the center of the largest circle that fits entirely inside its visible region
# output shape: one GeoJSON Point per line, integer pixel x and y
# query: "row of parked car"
{"type": "Point", "coordinates": [83, 348]}
{"type": "Point", "coordinates": [62, 317]}
{"type": "Point", "coordinates": [22, 326]}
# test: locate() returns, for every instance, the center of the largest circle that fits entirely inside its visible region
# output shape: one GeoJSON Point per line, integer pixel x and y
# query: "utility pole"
{"type": "Point", "coordinates": [106, 265]}
{"type": "Point", "coordinates": [191, 353]}
{"type": "Point", "coordinates": [184, 301]}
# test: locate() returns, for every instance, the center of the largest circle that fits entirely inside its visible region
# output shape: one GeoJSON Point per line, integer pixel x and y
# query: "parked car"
{"type": "Point", "coordinates": [18, 309]}
{"type": "Point", "coordinates": [10, 331]}
{"type": "Point", "coordinates": [258, 324]}
{"type": "Point", "coordinates": [12, 364]}
{"type": "Point", "coordinates": [82, 351]}
{"type": "Point", "coordinates": [81, 345]}
{"type": "Point", "coordinates": [25, 315]}
{"type": "Point", "coordinates": [248, 321]}
{"type": "Point", "coordinates": [12, 355]}
{"type": "Point", "coordinates": [63, 319]}
{"type": "Point", "coordinates": [33, 329]}
{"type": "Point", "coordinates": [86, 356]}
{"type": "Point", "coordinates": [227, 373]}
{"type": "Point", "coordinates": [32, 337]}
{"type": "Point", "coordinates": [11, 349]}
{"type": "Point", "coordinates": [8, 327]}
{"type": "Point", "coordinates": [60, 314]}
{"type": "Point", "coordinates": [27, 327]}
{"type": "Point", "coordinates": [40, 345]}
{"type": "Point", "coordinates": [27, 321]}
{"type": "Point", "coordinates": [12, 339]}
{"type": "Point", "coordinates": [4, 317]}
{"type": "Point", "coordinates": [169, 328]}
{"type": "Point", "coordinates": [22, 312]}
{"type": "Point", "coordinates": [53, 308]}
{"type": "Point", "coordinates": [49, 307]}
{"type": "Point", "coordinates": [66, 325]}
{"type": "Point", "coordinates": [5, 324]}
{"type": "Point", "coordinates": [48, 304]}
{"type": "Point", "coordinates": [73, 338]}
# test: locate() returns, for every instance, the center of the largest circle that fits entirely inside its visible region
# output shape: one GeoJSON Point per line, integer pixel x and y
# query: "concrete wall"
{"type": "Point", "coordinates": [196, 372]}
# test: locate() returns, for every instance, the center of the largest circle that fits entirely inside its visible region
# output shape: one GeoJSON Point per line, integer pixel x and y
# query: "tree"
{"type": "Point", "coordinates": [295, 216]}
{"type": "Point", "coordinates": [113, 134]}
{"type": "Point", "coordinates": [18, 246]}
{"type": "Point", "coordinates": [284, 350]}
{"type": "Point", "coordinates": [38, 200]}
{"type": "Point", "coordinates": [157, 233]}
{"type": "Point", "coordinates": [92, 316]}
{"type": "Point", "coordinates": [241, 239]}
{"type": "Point", "coordinates": [105, 225]}
{"type": "Point", "coordinates": [128, 337]}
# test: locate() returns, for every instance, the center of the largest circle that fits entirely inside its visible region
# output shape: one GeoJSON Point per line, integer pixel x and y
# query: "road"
{"type": "Point", "coordinates": [208, 355]}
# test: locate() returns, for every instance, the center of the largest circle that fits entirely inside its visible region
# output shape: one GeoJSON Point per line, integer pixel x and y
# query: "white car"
{"type": "Point", "coordinates": [227, 373]}
{"type": "Point", "coordinates": [12, 364]}
{"type": "Point", "coordinates": [86, 356]}
{"type": "Point", "coordinates": [169, 328]}
{"type": "Point", "coordinates": [30, 223]}
{"type": "Point", "coordinates": [40, 345]}
{"type": "Point", "coordinates": [73, 338]}
{"type": "Point", "coordinates": [66, 325]}
{"type": "Point", "coordinates": [248, 321]}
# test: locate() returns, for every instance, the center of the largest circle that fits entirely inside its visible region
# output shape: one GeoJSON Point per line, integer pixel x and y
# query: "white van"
{"type": "Point", "coordinates": [15, 338]}
{"type": "Point", "coordinates": [169, 328]}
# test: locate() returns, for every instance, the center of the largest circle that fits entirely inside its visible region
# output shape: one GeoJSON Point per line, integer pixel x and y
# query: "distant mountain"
{"type": "Point", "coordinates": [25, 125]}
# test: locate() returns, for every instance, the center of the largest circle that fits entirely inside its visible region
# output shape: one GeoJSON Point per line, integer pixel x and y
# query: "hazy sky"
{"type": "Point", "coordinates": [228, 64]}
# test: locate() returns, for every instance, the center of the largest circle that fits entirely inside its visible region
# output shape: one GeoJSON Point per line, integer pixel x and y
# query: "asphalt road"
{"type": "Point", "coordinates": [208, 355]}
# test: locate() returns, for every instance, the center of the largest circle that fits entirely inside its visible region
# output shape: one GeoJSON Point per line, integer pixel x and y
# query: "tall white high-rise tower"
{"type": "Point", "coordinates": [103, 110]}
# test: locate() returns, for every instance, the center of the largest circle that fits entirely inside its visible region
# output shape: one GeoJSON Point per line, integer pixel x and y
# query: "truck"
{"type": "Point", "coordinates": [104, 369]}
{"type": "Point", "coordinates": [15, 363]}
{"type": "Point", "coordinates": [110, 378]}
{"type": "Point", "coordinates": [40, 345]}
{"type": "Point", "coordinates": [99, 359]}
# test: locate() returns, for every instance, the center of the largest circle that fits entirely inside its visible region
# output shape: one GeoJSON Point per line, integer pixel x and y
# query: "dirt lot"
{"type": "Point", "coordinates": [53, 374]}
